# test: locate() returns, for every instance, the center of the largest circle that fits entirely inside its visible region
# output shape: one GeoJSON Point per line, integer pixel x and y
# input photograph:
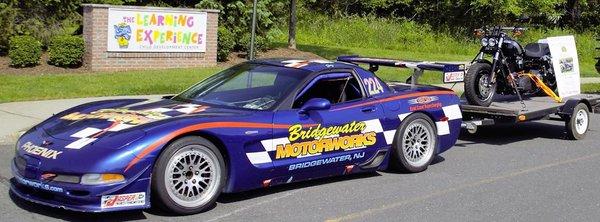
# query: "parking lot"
{"type": "Point", "coordinates": [503, 173]}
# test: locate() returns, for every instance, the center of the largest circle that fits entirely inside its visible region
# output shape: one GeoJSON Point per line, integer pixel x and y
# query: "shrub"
{"type": "Point", "coordinates": [7, 26]}
{"type": "Point", "coordinates": [24, 51]}
{"type": "Point", "coordinates": [226, 42]}
{"type": "Point", "coordinates": [66, 51]}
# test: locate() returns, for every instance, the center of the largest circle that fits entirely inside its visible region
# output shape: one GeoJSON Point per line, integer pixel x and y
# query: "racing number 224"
{"type": "Point", "coordinates": [373, 86]}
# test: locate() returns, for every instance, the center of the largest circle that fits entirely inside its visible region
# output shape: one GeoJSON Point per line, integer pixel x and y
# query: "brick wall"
{"type": "Point", "coordinates": [97, 58]}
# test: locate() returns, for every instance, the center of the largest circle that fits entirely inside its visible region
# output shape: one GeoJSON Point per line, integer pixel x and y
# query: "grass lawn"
{"type": "Point", "coordinates": [59, 86]}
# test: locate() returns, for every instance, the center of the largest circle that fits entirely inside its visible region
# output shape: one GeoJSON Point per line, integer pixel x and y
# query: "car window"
{"type": "Point", "coordinates": [337, 88]}
{"type": "Point", "coordinates": [249, 86]}
{"type": "Point", "coordinates": [249, 79]}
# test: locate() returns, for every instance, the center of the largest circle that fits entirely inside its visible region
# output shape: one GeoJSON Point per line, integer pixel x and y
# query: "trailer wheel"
{"type": "Point", "coordinates": [579, 122]}
{"type": "Point", "coordinates": [414, 144]}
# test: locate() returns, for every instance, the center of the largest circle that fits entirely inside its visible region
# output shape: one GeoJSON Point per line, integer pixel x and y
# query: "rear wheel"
{"type": "Point", "coordinates": [414, 144]}
{"type": "Point", "coordinates": [478, 89]}
{"type": "Point", "coordinates": [579, 122]}
{"type": "Point", "coordinates": [188, 176]}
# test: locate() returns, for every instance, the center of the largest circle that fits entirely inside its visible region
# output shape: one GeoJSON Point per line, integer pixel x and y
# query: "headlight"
{"type": "Point", "coordinates": [96, 179]}
{"type": "Point", "coordinates": [484, 42]}
{"type": "Point", "coordinates": [492, 42]}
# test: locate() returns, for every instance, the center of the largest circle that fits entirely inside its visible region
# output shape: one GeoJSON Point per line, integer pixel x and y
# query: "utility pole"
{"type": "Point", "coordinates": [251, 56]}
{"type": "Point", "coordinates": [292, 25]}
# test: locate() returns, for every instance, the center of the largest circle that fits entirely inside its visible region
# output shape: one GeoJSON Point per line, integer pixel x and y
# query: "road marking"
{"type": "Point", "coordinates": [364, 213]}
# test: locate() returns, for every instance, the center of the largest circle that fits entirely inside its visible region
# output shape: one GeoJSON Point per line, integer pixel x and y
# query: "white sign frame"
{"type": "Point", "coordinates": [565, 63]}
{"type": "Point", "coordinates": [132, 20]}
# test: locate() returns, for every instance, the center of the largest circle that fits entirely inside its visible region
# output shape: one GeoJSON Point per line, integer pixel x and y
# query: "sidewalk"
{"type": "Point", "coordinates": [19, 116]}
{"type": "Point", "coordinates": [588, 80]}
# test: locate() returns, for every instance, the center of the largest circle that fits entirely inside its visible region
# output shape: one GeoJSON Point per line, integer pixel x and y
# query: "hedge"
{"type": "Point", "coordinates": [24, 51]}
{"type": "Point", "coordinates": [66, 51]}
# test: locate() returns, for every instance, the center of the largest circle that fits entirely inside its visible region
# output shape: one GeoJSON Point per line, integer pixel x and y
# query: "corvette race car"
{"type": "Point", "coordinates": [257, 124]}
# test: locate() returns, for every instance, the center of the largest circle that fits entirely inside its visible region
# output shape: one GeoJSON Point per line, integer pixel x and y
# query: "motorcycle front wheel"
{"type": "Point", "coordinates": [478, 89]}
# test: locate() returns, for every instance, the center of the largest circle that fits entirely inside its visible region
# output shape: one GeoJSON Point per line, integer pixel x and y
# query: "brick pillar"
{"type": "Point", "coordinates": [97, 58]}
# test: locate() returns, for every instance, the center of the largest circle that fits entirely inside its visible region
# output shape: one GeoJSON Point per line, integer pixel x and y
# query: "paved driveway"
{"type": "Point", "coordinates": [525, 172]}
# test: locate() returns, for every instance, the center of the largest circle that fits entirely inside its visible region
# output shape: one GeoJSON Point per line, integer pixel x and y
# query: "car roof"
{"type": "Point", "coordinates": [312, 65]}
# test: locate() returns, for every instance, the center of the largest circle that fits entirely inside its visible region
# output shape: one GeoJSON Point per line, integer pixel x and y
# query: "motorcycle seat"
{"type": "Point", "coordinates": [536, 50]}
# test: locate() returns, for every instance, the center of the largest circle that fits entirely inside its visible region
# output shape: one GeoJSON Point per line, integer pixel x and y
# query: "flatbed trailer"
{"type": "Point", "coordinates": [509, 110]}
{"type": "Point", "coordinates": [573, 110]}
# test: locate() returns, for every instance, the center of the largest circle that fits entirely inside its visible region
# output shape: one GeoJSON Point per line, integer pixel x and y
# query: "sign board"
{"type": "Point", "coordinates": [565, 64]}
{"type": "Point", "coordinates": [156, 30]}
{"type": "Point", "coordinates": [454, 73]}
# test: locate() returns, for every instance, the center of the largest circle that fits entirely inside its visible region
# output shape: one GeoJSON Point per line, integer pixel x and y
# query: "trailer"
{"type": "Point", "coordinates": [574, 111]}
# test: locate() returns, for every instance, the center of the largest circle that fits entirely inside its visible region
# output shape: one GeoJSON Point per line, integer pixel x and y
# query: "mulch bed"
{"type": "Point", "coordinates": [42, 68]}
{"type": "Point", "coordinates": [234, 58]}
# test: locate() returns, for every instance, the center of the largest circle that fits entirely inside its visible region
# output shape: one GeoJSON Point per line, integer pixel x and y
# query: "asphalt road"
{"type": "Point", "coordinates": [526, 172]}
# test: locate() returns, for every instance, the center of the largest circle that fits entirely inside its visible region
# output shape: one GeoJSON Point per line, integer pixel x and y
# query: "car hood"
{"type": "Point", "coordinates": [122, 119]}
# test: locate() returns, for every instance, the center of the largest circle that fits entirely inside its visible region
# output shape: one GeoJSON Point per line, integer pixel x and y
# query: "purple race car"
{"type": "Point", "coordinates": [257, 124]}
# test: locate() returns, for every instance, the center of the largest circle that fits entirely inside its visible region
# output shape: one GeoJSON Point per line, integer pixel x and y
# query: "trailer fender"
{"type": "Point", "coordinates": [568, 108]}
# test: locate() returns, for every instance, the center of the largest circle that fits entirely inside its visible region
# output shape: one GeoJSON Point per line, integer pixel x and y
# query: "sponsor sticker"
{"type": "Point", "coordinates": [118, 115]}
{"type": "Point", "coordinates": [425, 106]}
{"type": "Point", "coordinates": [295, 63]}
{"type": "Point", "coordinates": [39, 185]}
{"type": "Point", "coordinates": [326, 161]}
{"type": "Point", "coordinates": [33, 149]}
{"type": "Point", "coordinates": [317, 140]}
{"type": "Point", "coordinates": [423, 100]}
{"type": "Point", "coordinates": [123, 200]}
{"type": "Point", "coordinates": [454, 73]}
{"type": "Point", "coordinates": [452, 77]}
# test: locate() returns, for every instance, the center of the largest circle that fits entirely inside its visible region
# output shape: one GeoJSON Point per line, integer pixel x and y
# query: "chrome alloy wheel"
{"type": "Point", "coordinates": [192, 176]}
{"type": "Point", "coordinates": [581, 121]}
{"type": "Point", "coordinates": [485, 88]}
{"type": "Point", "coordinates": [417, 143]}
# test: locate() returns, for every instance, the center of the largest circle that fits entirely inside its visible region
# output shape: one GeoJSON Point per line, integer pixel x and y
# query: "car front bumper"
{"type": "Point", "coordinates": [76, 198]}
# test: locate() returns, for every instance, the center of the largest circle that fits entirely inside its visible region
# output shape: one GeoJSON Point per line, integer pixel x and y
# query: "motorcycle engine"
{"type": "Point", "coordinates": [524, 83]}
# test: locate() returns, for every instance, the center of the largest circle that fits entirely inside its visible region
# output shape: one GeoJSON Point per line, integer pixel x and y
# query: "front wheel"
{"type": "Point", "coordinates": [414, 144]}
{"type": "Point", "coordinates": [478, 89]}
{"type": "Point", "coordinates": [188, 176]}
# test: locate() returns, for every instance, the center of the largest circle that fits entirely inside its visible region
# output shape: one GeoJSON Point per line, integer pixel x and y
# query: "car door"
{"type": "Point", "coordinates": [329, 141]}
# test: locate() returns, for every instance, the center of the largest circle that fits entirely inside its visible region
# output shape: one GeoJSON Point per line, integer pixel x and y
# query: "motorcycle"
{"type": "Point", "coordinates": [513, 69]}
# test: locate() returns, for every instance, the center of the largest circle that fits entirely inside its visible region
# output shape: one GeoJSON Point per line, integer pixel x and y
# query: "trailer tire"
{"type": "Point", "coordinates": [577, 125]}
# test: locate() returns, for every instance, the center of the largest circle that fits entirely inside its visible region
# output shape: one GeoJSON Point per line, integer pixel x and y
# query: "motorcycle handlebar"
{"type": "Point", "coordinates": [503, 28]}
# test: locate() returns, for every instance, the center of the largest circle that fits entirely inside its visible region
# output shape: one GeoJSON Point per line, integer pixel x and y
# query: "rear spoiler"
{"type": "Point", "coordinates": [453, 72]}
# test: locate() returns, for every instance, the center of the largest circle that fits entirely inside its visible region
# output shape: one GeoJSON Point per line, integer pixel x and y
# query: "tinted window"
{"type": "Point", "coordinates": [250, 86]}
{"type": "Point", "coordinates": [335, 87]}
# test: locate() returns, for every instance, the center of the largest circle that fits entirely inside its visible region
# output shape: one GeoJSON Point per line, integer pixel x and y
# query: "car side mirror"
{"type": "Point", "coordinates": [315, 104]}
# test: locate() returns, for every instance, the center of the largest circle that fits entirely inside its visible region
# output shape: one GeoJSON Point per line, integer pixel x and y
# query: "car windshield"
{"type": "Point", "coordinates": [249, 86]}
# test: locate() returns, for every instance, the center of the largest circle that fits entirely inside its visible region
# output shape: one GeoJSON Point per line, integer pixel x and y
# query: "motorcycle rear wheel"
{"type": "Point", "coordinates": [478, 90]}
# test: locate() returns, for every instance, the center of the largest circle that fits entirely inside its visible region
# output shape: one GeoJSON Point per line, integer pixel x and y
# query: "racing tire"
{"type": "Point", "coordinates": [478, 75]}
{"type": "Point", "coordinates": [188, 176]}
{"type": "Point", "coordinates": [414, 145]}
{"type": "Point", "coordinates": [579, 122]}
